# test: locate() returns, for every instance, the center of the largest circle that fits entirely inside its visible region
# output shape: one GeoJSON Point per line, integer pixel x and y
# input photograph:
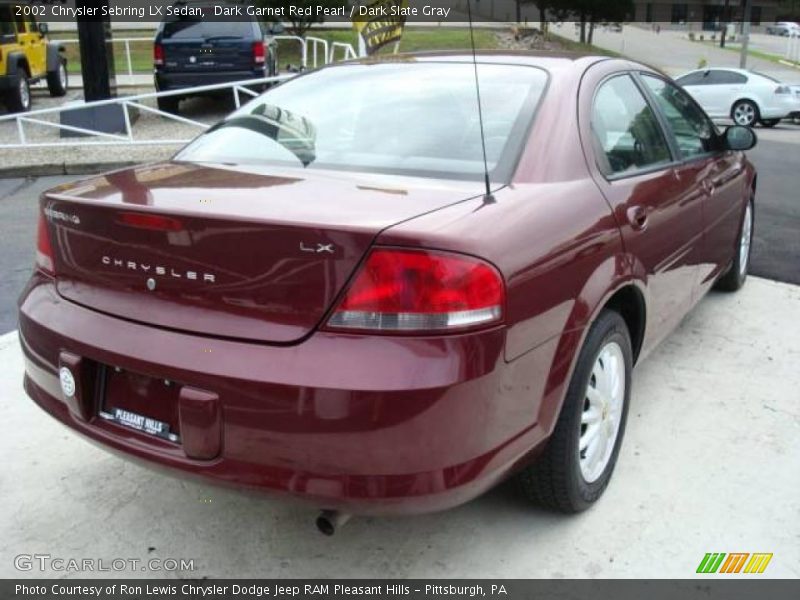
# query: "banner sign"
{"type": "Point", "coordinates": [380, 22]}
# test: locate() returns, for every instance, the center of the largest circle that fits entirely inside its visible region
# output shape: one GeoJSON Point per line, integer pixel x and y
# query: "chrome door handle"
{"type": "Point", "coordinates": [637, 216]}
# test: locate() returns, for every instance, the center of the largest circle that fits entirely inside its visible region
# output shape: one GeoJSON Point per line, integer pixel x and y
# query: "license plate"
{"type": "Point", "coordinates": [141, 423]}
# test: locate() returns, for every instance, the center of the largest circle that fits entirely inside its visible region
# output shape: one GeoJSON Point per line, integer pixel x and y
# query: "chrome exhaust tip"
{"type": "Point", "coordinates": [329, 521]}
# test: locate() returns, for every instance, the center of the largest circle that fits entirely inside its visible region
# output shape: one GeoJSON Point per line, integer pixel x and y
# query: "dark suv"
{"type": "Point", "coordinates": [190, 52]}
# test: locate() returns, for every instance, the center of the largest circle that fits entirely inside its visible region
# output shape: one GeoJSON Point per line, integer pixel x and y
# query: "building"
{"type": "Point", "coordinates": [704, 14]}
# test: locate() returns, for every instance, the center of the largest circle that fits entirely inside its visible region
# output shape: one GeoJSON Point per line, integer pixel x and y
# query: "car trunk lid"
{"type": "Point", "coordinates": [236, 252]}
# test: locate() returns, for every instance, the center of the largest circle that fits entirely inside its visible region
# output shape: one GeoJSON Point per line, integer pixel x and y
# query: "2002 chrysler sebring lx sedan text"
{"type": "Point", "coordinates": [317, 296]}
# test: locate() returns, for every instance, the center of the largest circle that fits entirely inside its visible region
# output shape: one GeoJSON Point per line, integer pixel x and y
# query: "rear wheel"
{"type": "Point", "coordinates": [769, 122]}
{"type": "Point", "coordinates": [737, 273]}
{"type": "Point", "coordinates": [57, 81]}
{"type": "Point", "coordinates": [745, 113]}
{"type": "Point", "coordinates": [580, 456]}
{"type": "Point", "coordinates": [18, 98]}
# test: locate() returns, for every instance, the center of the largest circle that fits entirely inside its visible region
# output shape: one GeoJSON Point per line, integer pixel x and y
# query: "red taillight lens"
{"type": "Point", "coordinates": [158, 55]}
{"type": "Point", "coordinates": [146, 221]}
{"type": "Point", "coordinates": [421, 290]}
{"type": "Point", "coordinates": [259, 52]}
{"type": "Point", "coordinates": [44, 251]}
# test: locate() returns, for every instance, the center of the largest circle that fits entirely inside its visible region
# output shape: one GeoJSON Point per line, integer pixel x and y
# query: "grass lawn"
{"type": "Point", "coordinates": [289, 50]}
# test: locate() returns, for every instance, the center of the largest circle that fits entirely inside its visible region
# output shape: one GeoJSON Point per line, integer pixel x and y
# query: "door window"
{"type": "Point", "coordinates": [695, 133]}
{"type": "Point", "coordinates": [627, 134]}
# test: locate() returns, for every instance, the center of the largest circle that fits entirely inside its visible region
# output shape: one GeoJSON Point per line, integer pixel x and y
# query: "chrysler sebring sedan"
{"type": "Point", "coordinates": [331, 295]}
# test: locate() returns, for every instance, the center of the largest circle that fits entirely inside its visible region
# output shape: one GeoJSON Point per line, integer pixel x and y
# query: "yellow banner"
{"type": "Point", "coordinates": [380, 22]}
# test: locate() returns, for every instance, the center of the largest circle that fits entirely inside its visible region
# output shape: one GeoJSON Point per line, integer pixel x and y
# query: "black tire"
{"type": "Point", "coordinates": [736, 275]}
{"type": "Point", "coordinates": [750, 109]}
{"type": "Point", "coordinates": [168, 104]}
{"type": "Point", "coordinates": [770, 123]}
{"type": "Point", "coordinates": [18, 98]}
{"type": "Point", "coordinates": [58, 80]}
{"type": "Point", "coordinates": [556, 480]}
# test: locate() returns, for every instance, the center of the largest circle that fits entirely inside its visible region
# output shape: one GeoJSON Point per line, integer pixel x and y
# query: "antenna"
{"type": "Point", "coordinates": [488, 198]}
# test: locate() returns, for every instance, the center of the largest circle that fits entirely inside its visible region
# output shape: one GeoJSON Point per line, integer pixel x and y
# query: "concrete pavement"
{"type": "Point", "coordinates": [710, 463]}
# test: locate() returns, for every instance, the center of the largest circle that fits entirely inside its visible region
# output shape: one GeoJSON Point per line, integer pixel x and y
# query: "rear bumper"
{"type": "Point", "coordinates": [165, 81]}
{"type": "Point", "coordinates": [366, 425]}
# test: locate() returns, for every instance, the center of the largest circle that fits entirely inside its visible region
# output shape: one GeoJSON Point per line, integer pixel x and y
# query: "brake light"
{"type": "Point", "coordinates": [158, 55]}
{"type": "Point", "coordinates": [421, 290]}
{"type": "Point", "coordinates": [259, 53]}
{"type": "Point", "coordinates": [153, 222]}
{"type": "Point", "coordinates": [44, 251]}
{"type": "Point", "coordinates": [783, 89]}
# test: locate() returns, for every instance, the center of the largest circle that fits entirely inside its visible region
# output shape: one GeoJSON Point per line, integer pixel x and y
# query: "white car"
{"type": "Point", "coordinates": [784, 28]}
{"type": "Point", "coordinates": [744, 96]}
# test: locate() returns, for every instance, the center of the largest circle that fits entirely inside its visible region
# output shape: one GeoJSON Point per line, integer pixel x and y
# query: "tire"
{"type": "Point", "coordinates": [736, 275]}
{"type": "Point", "coordinates": [563, 478]}
{"type": "Point", "coordinates": [58, 80]}
{"type": "Point", "coordinates": [18, 98]}
{"type": "Point", "coordinates": [168, 104]}
{"type": "Point", "coordinates": [746, 113]}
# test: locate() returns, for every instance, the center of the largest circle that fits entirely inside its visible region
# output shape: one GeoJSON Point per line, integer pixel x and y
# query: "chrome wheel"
{"type": "Point", "coordinates": [62, 75]}
{"type": "Point", "coordinates": [744, 113]}
{"type": "Point", "coordinates": [744, 241]}
{"type": "Point", "coordinates": [24, 93]}
{"type": "Point", "coordinates": [602, 411]}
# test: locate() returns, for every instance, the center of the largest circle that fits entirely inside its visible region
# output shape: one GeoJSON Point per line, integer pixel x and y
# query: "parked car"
{"type": "Point", "coordinates": [745, 96]}
{"type": "Point", "coordinates": [319, 297]}
{"type": "Point", "coordinates": [190, 52]}
{"type": "Point", "coordinates": [27, 57]}
{"type": "Point", "coordinates": [795, 114]}
{"type": "Point", "coordinates": [784, 28]}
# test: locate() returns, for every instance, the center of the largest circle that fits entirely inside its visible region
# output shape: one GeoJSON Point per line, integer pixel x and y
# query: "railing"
{"type": "Point", "coordinates": [347, 48]}
{"type": "Point", "coordinates": [126, 42]}
{"type": "Point", "coordinates": [793, 49]}
{"type": "Point", "coordinates": [127, 103]}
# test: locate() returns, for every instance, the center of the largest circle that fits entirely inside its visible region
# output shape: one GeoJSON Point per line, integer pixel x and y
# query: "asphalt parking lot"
{"type": "Point", "coordinates": [710, 461]}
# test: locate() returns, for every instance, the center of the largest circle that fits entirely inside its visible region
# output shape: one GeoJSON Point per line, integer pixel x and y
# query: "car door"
{"type": "Point", "coordinates": [717, 175]}
{"type": "Point", "coordinates": [633, 164]}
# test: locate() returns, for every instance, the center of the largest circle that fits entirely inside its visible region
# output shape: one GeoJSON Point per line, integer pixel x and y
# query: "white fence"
{"type": "Point", "coordinates": [320, 51]}
{"type": "Point", "coordinates": [793, 49]}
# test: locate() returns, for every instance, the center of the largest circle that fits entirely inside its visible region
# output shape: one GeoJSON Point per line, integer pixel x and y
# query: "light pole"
{"type": "Point", "coordinates": [745, 33]}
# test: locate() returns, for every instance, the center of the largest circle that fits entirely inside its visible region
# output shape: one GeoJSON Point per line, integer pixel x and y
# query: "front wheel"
{"type": "Point", "coordinates": [57, 82]}
{"type": "Point", "coordinates": [576, 466]}
{"type": "Point", "coordinates": [737, 273]}
{"type": "Point", "coordinates": [745, 113]}
{"type": "Point", "coordinates": [168, 104]}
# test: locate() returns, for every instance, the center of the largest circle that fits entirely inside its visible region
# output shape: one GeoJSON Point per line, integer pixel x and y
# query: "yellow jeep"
{"type": "Point", "coordinates": [27, 57]}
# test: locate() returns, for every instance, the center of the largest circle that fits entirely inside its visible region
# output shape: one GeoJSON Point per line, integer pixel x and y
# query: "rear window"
{"type": "Point", "coordinates": [183, 29]}
{"type": "Point", "coordinates": [410, 118]}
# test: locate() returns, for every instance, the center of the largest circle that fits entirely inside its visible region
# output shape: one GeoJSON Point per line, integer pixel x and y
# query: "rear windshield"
{"type": "Point", "coordinates": [418, 119]}
{"type": "Point", "coordinates": [182, 29]}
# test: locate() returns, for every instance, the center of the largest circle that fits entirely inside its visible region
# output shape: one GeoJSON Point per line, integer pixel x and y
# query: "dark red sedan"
{"type": "Point", "coordinates": [318, 297]}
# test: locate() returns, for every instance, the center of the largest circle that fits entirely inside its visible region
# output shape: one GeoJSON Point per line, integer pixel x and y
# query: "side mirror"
{"type": "Point", "coordinates": [276, 28]}
{"type": "Point", "coordinates": [43, 28]}
{"type": "Point", "coordinates": [740, 138]}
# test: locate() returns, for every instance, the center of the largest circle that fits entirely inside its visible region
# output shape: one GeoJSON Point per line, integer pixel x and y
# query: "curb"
{"type": "Point", "coordinates": [50, 169]}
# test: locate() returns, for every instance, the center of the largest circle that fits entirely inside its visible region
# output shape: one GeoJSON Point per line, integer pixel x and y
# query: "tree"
{"type": "Point", "coordinates": [592, 12]}
{"type": "Point", "coordinates": [299, 22]}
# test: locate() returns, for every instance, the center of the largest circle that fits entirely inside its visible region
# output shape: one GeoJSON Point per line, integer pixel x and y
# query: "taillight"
{"type": "Point", "coordinates": [44, 251]}
{"type": "Point", "coordinates": [259, 53]}
{"type": "Point", "coordinates": [421, 290]}
{"type": "Point", "coordinates": [147, 221]}
{"type": "Point", "coordinates": [158, 55]}
{"type": "Point", "coordinates": [783, 89]}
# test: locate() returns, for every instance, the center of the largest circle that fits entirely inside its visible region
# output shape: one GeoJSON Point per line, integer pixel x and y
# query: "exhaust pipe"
{"type": "Point", "coordinates": [329, 521]}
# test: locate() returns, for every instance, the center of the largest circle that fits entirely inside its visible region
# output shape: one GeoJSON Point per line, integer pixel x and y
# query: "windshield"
{"type": "Point", "coordinates": [409, 118]}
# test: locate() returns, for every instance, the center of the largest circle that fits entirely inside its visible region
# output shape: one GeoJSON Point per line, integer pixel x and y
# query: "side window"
{"type": "Point", "coordinates": [693, 130]}
{"type": "Point", "coordinates": [626, 132]}
{"type": "Point", "coordinates": [696, 78]}
{"type": "Point", "coordinates": [729, 78]}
